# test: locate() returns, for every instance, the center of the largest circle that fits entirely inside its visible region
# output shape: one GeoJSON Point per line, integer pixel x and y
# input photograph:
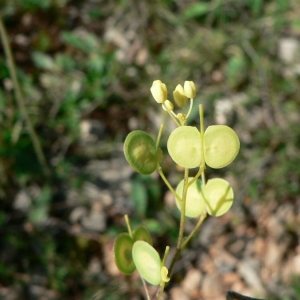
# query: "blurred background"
{"type": "Point", "coordinates": [85, 68]}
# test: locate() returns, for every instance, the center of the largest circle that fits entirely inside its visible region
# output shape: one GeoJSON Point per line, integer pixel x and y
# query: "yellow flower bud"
{"type": "Point", "coordinates": [159, 91]}
{"type": "Point", "coordinates": [190, 89]}
{"type": "Point", "coordinates": [168, 105]}
{"type": "Point", "coordinates": [179, 96]}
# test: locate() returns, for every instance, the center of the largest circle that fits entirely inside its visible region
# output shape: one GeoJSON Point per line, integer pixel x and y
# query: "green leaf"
{"type": "Point", "coordinates": [38, 212]}
{"type": "Point", "coordinates": [44, 61]}
{"type": "Point", "coordinates": [196, 10]}
{"type": "Point", "coordinates": [139, 196]}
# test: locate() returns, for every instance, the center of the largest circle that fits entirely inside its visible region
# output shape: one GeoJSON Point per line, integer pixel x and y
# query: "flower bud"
{"type": "Point", "coordinates": [179, 96]}
{"type": "Point", "coordinates": [159, 91]}
{"type": "Point", "coordinates": [190, 89]}
{"type": "Point", "coordinates": [168, 105]}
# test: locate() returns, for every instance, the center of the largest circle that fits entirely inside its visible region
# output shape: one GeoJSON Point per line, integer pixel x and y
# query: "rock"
{"type": "Point", "coordinates": [96, 220]}
{"type": "Point", "coordinates": [22, 201]}
{"type": "Point", "coordinates": [288, 50]}
{"type": "Point", "coordinates": [192, 281]}
{"type": "Point", "coordinates": [77, 214]}
{"type": "Point", "coordinates": [249, 270]}
{"type": "Point", "coordinates": [212, 287]}
{"type": "Point", "coordinates": [178, 293]}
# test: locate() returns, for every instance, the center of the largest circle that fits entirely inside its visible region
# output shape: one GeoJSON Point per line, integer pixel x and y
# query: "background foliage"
{"type": "Point", "coordinates": [85, 69]}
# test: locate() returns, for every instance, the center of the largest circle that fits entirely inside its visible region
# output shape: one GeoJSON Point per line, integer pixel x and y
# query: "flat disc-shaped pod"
{"type": "Point", "coordinates": [147, 262]}
{"type": "Point", "coordinates": [218, 196]}
{"type": "Point", "coordinates": [221, 146]}
{"type": "Point", "coordinates": [123, 253]}
{"type": "Point", "coordinates": [142, 234]}
{"type": "Point", "coordinates": [195, 204]}
{"type": "Point", "coordinates": [140, 152]}
{"type": "Point", "coordinates": [184, 146]}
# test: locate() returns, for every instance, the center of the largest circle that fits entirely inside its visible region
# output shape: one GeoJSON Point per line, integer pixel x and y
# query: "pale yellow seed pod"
{"type": "Point", "coordinates": [179, 96]}
{"type": "Point", "coordinates": [159, 91]}
{"type": "Point", "coordinates": [168, 105]}
{"type": "Point", "coordinates": [190, 89]}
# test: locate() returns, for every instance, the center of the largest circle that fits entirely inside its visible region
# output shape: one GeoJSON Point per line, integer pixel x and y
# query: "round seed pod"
{"type": "Point", "coordinates": [195, 204]}
{"type": "Point", "coordinates": [140, 152]}
{"type": "Point", "coordinates": [147, 262]}
{"type": "Point", "coordinates": [221, 146]}
{"type": "Point", "coordinates": [123, 253]}
{"type": "Point", "coordinates": [218, 196]}
{"type": "Point", "coordinates": [142, 234]}
{"type": "Point", "coordinates": [184, 146]}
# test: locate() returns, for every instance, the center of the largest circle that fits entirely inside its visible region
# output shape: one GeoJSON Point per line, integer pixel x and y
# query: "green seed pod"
{"type": "Point", "coordinates": [218, 196]}
{"type": "Point", "coordinates": [142, 234]}
{"type": "Point", "coordinates": [140, 152]}
{"type": "Point", "coordinates": [184, 146]}
{"type": "Point", "coordinates": [123, 253]}
{"type": "Point", "coordinates": [221, 146]}
{"type": "Point", "coordinates": [195, 204]}
{"type": "Point", "coordinates": [147, 262]}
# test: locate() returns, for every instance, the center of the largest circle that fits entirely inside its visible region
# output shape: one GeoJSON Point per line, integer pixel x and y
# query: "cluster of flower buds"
{"type": "Point", "coordinates": [181, 94]}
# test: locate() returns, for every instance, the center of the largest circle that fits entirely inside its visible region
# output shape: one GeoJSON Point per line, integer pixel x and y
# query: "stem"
{"type": "Point", "coordinates": [145, 288]}
{"type": "Point", "coordinates": [182, 221]}
{"type": "Point", "coordinates": [165, 255]}
{"type": "Point", "coordinates": [18, 95]}
{"type": "Point", "coordinates": [128, 225]}
{"type": "Point", "coordinates": [159, 136]}
{"type": "Point", "coordinates": [200, 221]}
{"type": "Point", "coordinates": [190, 109]}
{"type": "Point", "coordinates": [202, 166]}
{"type": "Point", "coordinates": [162, 175]}
{"type": "Point", "coordinates": [171, 113]}
{"type": "Point", "coordinates": [182, 204]}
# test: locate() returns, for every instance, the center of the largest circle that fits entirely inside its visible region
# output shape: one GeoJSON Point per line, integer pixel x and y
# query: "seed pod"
{"type": "Point", "coordinates": [221, 146]}
{"type": "Point", "coordinates": [184, 146]}
{"type": "Point", "coordinates": [123, 253]}
{"type": "Point", "coordinates": [218, 196]}
{"type": "Point", "coordinates": [140, 152]}
{"type": "Point", "coordinates": [147, 262]}
{"type": "Point", "coordinates": [195, 203]}
{"type": "Point", "coordinates": [142, 234]}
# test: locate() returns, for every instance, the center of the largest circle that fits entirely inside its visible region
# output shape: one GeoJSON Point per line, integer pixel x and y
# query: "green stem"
{"type": "Point", "coordinates": [190, 109]}
{"type": "Point", "coordinates": [182, 221]}
{"type": "Point", "coordinates": [200, 221]}
{"type": "Point", "coordinates": [171, 114]}
{"type": "Point", "coordinates": [165, 255]}
{"type": "Point", "coordinates": [159, 136]}
{"type": "Point", "coordinates": [162, 175]}
{"type": "Point", "coordinates": [128, 225]}
{"type": "Point", "coordinates": [17, 90]}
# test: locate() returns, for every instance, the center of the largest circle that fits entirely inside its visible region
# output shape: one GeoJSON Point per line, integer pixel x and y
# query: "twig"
{"type": "Point", "coordinates": [17, 90]}
{"type": "Point", "coordinates": [236, 296]}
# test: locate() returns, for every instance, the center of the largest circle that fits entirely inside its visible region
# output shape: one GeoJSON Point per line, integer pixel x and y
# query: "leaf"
{"type": "Point", "coordinates": [38, 212]}
{"type": "Point", "coordinates": [44, 61]}
{"type": "Point", "coordinates": [196, 10]}
{"type": "Point", "coordinates": [139, 196]}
